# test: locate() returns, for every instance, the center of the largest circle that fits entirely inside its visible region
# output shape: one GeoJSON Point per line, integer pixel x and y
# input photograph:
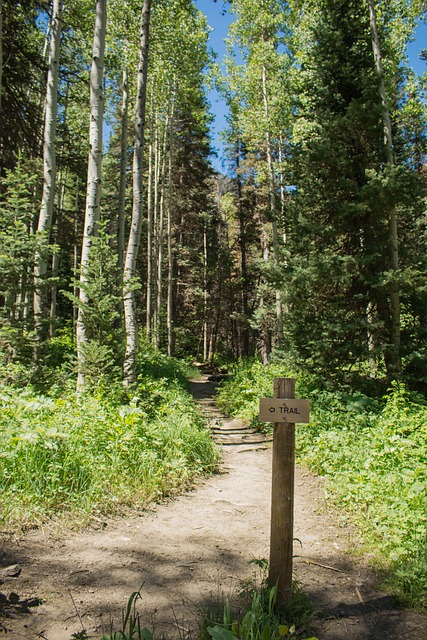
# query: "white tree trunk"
{"type": "Point", "coordinates": [162, 187]}
{"type": "Point", "coordinates": [169, 319]}
{"type": "Point", "coordinates": [272, 197]}
{"type": "Point", "coordinates": [123, 164]}
{"type": "Point", "coordinates": [49, 171]}
{"type": "Point", "coordinates": [149, 283]}
{"type": "Point", "coordinates": [156, 218]}
{"type": "Point", "coordinates": [131, 325]}
{"type": "Point", "coordinates": [93, 193]}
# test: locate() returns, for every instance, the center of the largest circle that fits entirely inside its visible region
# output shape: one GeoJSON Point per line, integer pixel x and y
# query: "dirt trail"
{"type": "Point", "coordinates": [190, 552]}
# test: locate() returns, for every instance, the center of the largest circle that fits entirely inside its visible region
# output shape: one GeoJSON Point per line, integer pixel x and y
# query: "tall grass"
{"type": "Point", "coordinates": [374, 451]}
{"type": "Point", "coordinates": [94, 455]}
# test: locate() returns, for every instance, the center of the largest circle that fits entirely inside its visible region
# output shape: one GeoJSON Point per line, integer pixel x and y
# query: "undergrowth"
{"type": "Point", "coordinates": [252, 613]}
{"type": "Point", "coordinates": [255, 613]}
{"type": "Point", "coordinates": [90, 456]}
{"type": "Point", "coordinates": [373, 450]}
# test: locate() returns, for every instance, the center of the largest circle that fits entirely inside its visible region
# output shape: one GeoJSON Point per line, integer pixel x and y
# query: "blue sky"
{"type": "Point", "coordinates": [219, 24]}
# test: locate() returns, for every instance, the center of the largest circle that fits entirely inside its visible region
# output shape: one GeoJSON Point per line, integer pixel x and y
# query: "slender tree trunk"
{"type": "Point", "coordinates": [56, 260]}
{"type": "Point", "coordinates": [244, 347]}
{"type": "Point", "coordinates": [282, 193]}
{"type": "Point", "coordinates": [149, 284]}
{"type": "Point", "coordinates": [123, 174]}
{"type": "Point", "coordinates": [273, 216]}
{"type": "Point", "coordinates": [205, 293]}
{"type": "Point", "coordinates": [169, 319]}
{"type": "Point", "coordinates": [393, 360]}
{"type": "Point", "coordinates": [131, 325]}
{"type": "Point", "coordinates": [93, 194]}
{"type": "Point", "coordinates": [156, 217]}
{"type": "Point", "coordinates": [56, 256]}
{"type": "Point", "coordinates": [162, 187]}
{"type": "Point", "coordinates": [1, 51]}
{"type": "Point", "coordinates": [76, 257]}
{"type": "Point", "coordinates": [49, 172]}
{"type": "Point", "coordinates": [265, 334]}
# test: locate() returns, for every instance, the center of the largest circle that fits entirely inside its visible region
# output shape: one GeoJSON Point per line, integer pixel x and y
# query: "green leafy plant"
{"type": "Point", "coordinates": [98, 453]}
{"type": "Point", "coordinates": [256, 615]}
{"type": "Point", "coordinates": [131, 627]}
{"type": "Point", "coordinates": [103, 351]}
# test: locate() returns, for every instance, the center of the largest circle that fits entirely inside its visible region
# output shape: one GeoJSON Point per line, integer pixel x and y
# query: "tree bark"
{"type": "Point", "coordinates": [93, 194]}
{"type": "Point", "coordinates": [150, 217]}
{"type": "Point", "coordinates": [1, 51]}
{"type": "Point", "coordinates": [156, 217]}
{"type": "Point", "coordinates": [205, 293]}
{"type": "Point", "coordinates": [169, 315]}
{"type": "Point", "coordinates": [56, 255]}
{"type": "Point", "coordinates": [162, 187]}
{"type": "Point", "coordinates": [244, 346]}
{"type": "Point", "coordinates": [123, 174]}
{"type": "Point", "coordinates": [272, 198]}
{"type": "Point", "coordinates": [131, 325]}
{"type": "Point", "coordinates": [393, 358]}
{"type": "Point", "coordinates": [49, 174]}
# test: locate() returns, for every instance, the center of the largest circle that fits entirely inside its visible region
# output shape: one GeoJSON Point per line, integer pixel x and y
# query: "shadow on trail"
{"type": "Point", "coordinates": [186, 556]}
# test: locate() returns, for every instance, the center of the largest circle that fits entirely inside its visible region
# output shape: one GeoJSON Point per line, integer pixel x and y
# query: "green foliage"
{"type": "Point", "coordinates": [131, 628]}
{"type": "Point", "coordinates": [22, 72]}
{"type": "Point", "coordinates": [17, 209]}
{"type": "Point", "coordinates": [337, 284]}
{"type": "Point", "coordinates": [256, 615]}
{"type": "Point", "coordinates": [249, 380]}
{"type": "Point", "coordinates": [375, 454]}
{"type": "Point", "coordinates": [101, 355]}
{"type": "Point", "coordinates": [377, 462]}
{"type": "Point", "coordinates": [96, 454]}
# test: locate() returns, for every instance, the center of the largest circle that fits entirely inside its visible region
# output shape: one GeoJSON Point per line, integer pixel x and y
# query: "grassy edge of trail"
{"type": "Point", "coordinates": [372, 451]}
{"type": "Point", "coordinates": [75, 459]}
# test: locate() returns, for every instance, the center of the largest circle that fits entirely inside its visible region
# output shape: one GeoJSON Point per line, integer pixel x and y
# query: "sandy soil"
{"type": "Point", "coordinates": [186, 554]}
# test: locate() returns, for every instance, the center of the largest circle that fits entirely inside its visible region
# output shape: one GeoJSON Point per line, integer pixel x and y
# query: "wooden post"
{"type": "Point", "coordinates": [282, 498]}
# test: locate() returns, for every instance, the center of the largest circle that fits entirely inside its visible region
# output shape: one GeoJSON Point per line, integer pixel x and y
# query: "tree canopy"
{"type": "Point", "coordinates": [311, 249]}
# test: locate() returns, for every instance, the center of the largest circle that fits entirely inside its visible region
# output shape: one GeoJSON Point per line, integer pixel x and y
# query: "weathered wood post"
{"type": "Point", "coordinates": [283, 407]}
{"type": "Point", "coordinates": [282, 498]}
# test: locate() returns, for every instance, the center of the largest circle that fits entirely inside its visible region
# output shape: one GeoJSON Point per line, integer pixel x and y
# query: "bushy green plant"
{"type": "Point", "coordinates": [249, 380]}
{"type": "Point", "coordinates": [256, 614]}
{"type": "Point", "coordinates": [18, 206]}
{"type": "Point", "coordinates": [101, 355]}
{"type": "Point", "coordinates": [94, 454]}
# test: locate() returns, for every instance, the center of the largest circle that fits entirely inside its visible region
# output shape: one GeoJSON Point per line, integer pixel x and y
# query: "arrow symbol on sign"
{"type": "Point", "coordinates": [272, 410]}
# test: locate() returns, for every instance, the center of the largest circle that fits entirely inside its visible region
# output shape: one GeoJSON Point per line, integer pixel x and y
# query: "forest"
{"type": "Point", "coordinates": [125, 256]}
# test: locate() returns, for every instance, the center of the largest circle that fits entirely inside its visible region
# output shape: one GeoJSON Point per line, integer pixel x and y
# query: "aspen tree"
{"type": "Point", "coordinates": [49, 172]}
{"type": "Point", "coordinates": [131, 324]}
{"type": "Point", "coordinates": [256, 33]}
{"type": "Point", "coordinates": [94, 174]}
{"type": "Point", "coordinates": [169, 314]}
{"type": "Point", "coordinates": [123, 172]}
{"type": "Point", "coordinates": [150, 217]}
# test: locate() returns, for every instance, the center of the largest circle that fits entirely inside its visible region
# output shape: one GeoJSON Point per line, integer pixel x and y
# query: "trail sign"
{"type": "Point", "coordinates": [283, 410]}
